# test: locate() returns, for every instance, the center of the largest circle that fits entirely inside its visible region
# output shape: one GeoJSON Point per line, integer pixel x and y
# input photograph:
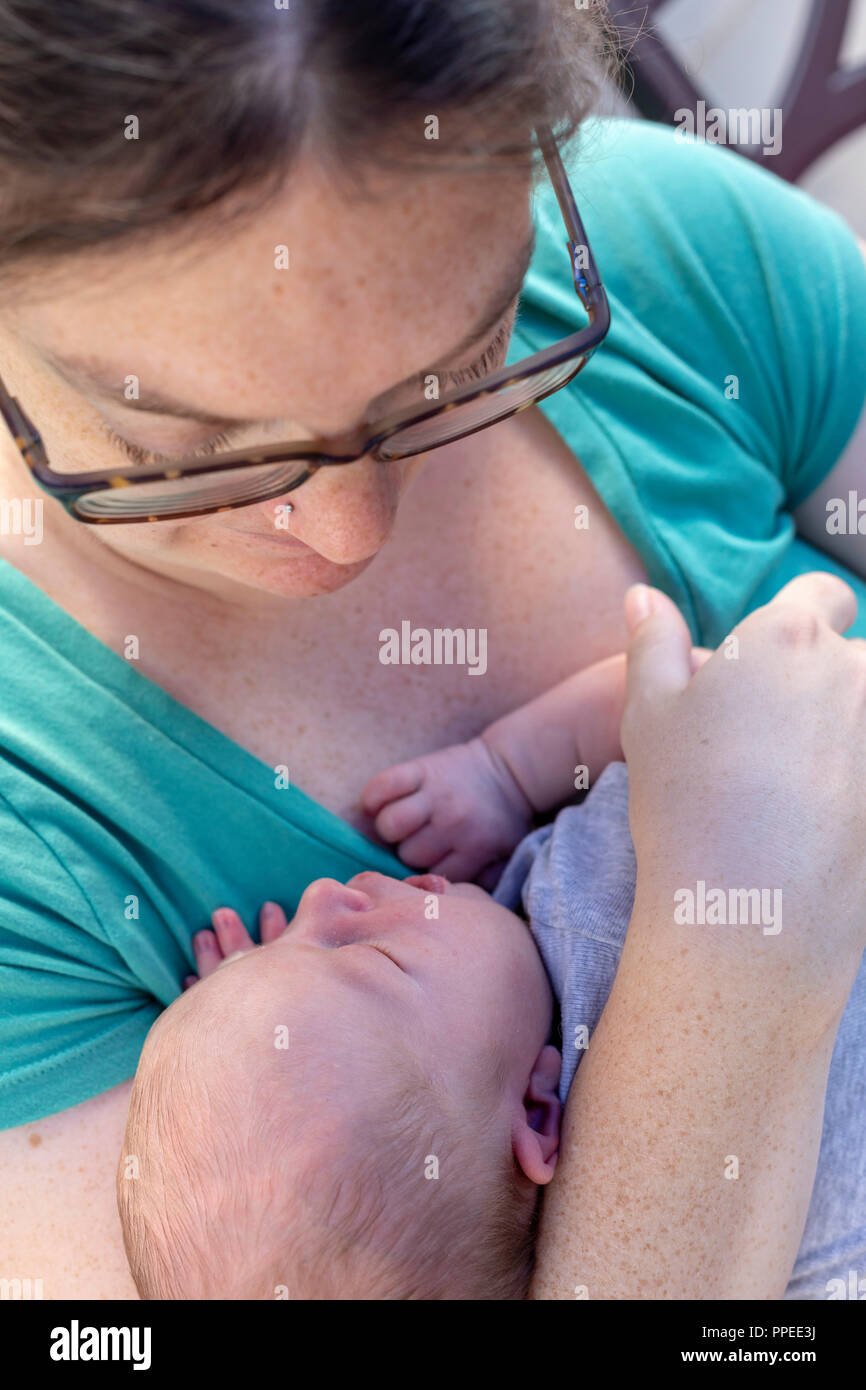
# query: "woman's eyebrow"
{"type": "Point", "coordinates": [90, 374]}
{"type": "Point", "coordinates": [499, 301]}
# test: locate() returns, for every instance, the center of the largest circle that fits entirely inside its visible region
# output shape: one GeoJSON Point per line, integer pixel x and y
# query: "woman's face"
{"type": "Point", "coordinates": [378, 293]}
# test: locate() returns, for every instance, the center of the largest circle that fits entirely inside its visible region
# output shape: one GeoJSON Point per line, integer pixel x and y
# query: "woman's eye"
{"type": "Point", "coordinates": [141, 456]}
{"type": "Point", "coordinates": [485, 364]}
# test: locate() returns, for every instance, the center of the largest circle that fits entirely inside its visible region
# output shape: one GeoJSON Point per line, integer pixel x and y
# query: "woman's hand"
{"type": "Point", "coordinates": [691, 1132]}
{"type": "Point", "coordinates": [752, 776]}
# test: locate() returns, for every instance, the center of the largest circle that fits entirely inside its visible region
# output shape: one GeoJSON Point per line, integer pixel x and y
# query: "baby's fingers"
{"type": "Point", "coordinates": [207, 952]}
{"type": "Point", "coordinates": [458, 866]}
{"type": "Point", "coordinates": [428, 847]}
{"type": "Point", "coordinates": [231, 933]}
{"type": "Point", "coordinates": [272, 922]}
{"type": "Point", "coordinates": [403, 818]}
{"type": "Point", "coordinates": [394, 782]}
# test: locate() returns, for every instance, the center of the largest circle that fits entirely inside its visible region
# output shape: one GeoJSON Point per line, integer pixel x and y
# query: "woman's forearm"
{"type": "Point", "coordinates": [691, 1132]}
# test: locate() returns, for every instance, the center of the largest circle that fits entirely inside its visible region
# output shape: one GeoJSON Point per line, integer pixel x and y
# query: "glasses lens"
{"type": "Point", "coordinates": [236, 487]}
{"type": "Point", "coordinates": [483, 410]}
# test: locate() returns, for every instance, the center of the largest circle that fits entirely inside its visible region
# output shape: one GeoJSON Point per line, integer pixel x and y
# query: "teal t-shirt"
{"type": "Point", "coordinates": [734, 371]}
{"type": "Point", "coordinates": [125, 819]}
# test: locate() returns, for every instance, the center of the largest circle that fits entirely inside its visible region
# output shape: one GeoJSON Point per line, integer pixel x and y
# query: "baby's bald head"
{"type": "Point", "coordinates": [276, 1149]}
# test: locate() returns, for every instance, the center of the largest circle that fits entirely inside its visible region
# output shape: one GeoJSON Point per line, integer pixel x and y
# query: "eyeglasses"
{"type": "Point", "coordinates": [196, 486]}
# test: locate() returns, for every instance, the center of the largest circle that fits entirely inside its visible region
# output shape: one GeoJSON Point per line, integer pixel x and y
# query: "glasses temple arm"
{"type": "Point", "coordinates": [586, 278]}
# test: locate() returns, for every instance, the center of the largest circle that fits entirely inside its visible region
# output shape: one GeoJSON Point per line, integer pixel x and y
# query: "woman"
{"type": "Point", "coordinates": [173, 683]}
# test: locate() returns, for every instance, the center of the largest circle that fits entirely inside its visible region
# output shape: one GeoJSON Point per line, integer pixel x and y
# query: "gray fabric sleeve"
{"type": "Point", "coordinates": [575, 880]}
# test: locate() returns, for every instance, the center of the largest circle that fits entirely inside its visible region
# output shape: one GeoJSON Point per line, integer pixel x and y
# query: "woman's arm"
{"type": "Point", "coordinates": [690, 1136]}
{"type": "Point", "coordinates": [692, 1130]}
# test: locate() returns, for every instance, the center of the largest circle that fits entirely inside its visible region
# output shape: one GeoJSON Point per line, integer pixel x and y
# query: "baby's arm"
{"type": "Point", "coordinates": [463, 808]}
{"type": "Point", "coordinates": [564, 739]}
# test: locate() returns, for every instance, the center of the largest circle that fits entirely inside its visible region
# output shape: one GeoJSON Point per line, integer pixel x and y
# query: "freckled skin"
{"type": "Point", "coordinates": [279, 648]}
{"type": "Point", "coordinates": [59, 1214]}
{"type": "Point", "coordinates": [265, 642]}
{"type": "Point", "coordinates": [224, 614]}
{"type": "Point", "coordinates": [734, 1028]}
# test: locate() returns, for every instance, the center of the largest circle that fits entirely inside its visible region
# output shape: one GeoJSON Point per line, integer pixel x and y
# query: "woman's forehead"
{"type": "Point", "coordinates": [315, 292]}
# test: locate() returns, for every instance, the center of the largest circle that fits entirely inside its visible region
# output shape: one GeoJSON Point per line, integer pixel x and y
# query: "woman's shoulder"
{"type": "Point", "coordinates": [674, 217]}
{"type": "Point", "coordinates": [731, 378]}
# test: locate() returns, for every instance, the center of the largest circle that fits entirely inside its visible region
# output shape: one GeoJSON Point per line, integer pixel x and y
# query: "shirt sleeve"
{"type": "Point", "coordinates": [732, 377]}
{"type": "Point", "coordinates": [71, 1017]}
{"type": "Point", "coordinates": [797, 276]}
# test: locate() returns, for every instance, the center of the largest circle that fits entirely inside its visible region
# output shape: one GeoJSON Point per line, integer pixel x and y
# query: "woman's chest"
{"type": "Point", "coordinates": [504, 575]}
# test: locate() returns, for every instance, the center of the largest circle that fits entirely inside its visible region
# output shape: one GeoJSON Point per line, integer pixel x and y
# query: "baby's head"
{"type": "Point", "coordinates": [365, 1108]}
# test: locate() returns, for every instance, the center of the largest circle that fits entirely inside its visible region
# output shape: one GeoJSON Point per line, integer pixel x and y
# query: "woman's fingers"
{"type": "Point", "coordinates": [661, 659]}
{"type": "Point", "coordinates": [822, 595]}
{"type": "Point", "coordinates": [660, 645]}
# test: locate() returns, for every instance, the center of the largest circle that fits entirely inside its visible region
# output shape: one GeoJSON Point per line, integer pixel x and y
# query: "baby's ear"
{"type": "Point", "coordinates": [535, 1137]}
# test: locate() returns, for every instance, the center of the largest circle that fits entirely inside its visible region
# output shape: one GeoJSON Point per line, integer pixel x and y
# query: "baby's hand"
{"type": "Point", "coordinates": [231, 938]}
{"type": "Point", "coordinates": [455, 811]}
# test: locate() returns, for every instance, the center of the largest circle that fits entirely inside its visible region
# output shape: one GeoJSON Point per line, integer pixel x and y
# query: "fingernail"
{"type": "Point", "coordinates": [638, 605]}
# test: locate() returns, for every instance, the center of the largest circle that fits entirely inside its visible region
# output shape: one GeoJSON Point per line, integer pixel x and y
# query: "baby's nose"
{"type": "Point", "coordinates": [331, 912]}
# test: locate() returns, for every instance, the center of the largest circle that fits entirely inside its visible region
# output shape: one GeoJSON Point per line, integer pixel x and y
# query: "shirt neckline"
{"type": "Point", "coordinates": [74, 643]}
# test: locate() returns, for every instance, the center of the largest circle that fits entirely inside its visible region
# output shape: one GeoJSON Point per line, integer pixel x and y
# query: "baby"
{"type": "Point", "coordinates": [367, 1104]}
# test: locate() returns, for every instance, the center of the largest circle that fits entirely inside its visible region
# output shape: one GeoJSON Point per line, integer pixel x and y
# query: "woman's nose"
{"type": "Point", "coordinates": [330, 913]}
{"type": "Point", "coordinates": [346, 512]}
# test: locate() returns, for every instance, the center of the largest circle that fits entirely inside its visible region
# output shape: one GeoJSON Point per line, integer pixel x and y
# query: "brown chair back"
{"type": "Point", "coordinates": [822, 101]}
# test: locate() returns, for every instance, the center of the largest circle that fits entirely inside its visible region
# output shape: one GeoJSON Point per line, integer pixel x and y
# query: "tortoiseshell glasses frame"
{"type": "Point", "coordinates": [115, 496]}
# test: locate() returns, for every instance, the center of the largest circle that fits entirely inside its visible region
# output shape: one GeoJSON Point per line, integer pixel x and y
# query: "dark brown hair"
{"type": "Point", "coordinates": [225, 92]}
